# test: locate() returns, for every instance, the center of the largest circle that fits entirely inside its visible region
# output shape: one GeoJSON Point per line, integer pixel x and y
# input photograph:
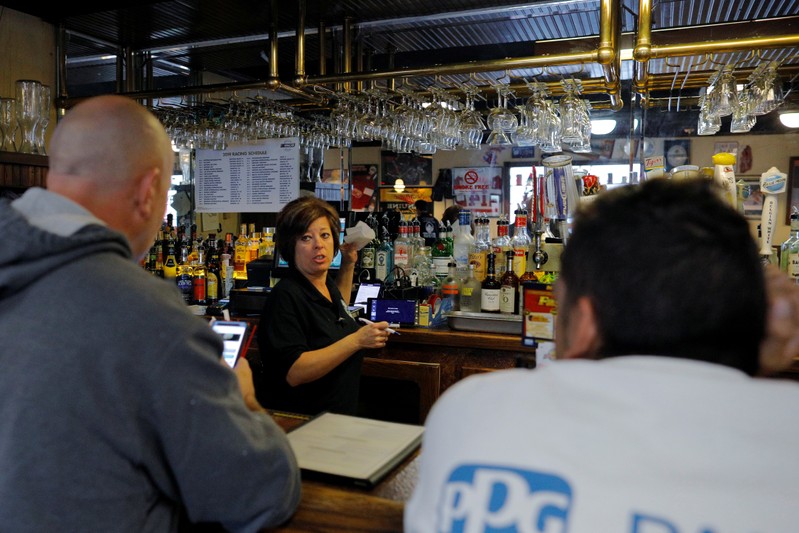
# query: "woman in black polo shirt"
{"type": "Point", "coordinates": [311, 348]}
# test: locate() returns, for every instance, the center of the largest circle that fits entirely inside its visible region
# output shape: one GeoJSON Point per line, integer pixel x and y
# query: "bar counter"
{"type": "Point", "coordinates": [325, 507]}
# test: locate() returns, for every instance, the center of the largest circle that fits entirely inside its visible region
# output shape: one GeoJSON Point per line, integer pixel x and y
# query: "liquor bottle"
{"type": "Point", "coordinates": [520, 243]}
{"type": "Point", "coordinates": [530, 275]}
{"type": "Point", "coordinates": [451, 287]}
{"type": "Point", "coordinates": [422, 268]}
{"type": "Point", "coordinates": [198, 284]}
{"type": "Point", "coordinates": [441, 254]}
{"type": "Point", "coordinates": [241, 254]}
{"type": "Point", "coordinates": [449, 237]}
{"type": "Point", "coordinates": [489, 289]}
{"type": "Point", "coordinates": [501, 243]}
{"type": "Point", "coordinates": [789, 251]}
{"type": "Point", "coordinates": [462, 243]}
{"type": "Point", "coordinates": [416, 234]}
{"type": "Point", "coordinates": [213, 282]}
{"type": "Point", "coordinates": [369, 252]}
{"type": "Point", "coordinates": [402, 247]}
{"type": "Point", "coordinates": [384, 256]}
{"type": "Point", "coordinates": [509, 288]}
{"type": "Point", "coordinates": [253, 245]}
{"type": "Point", "coordinates": [185, 281]}
{"type": "Point", "coordinates": [480, 247]}
{"type": "Point", "coordinates": [470, 292]}
{"type": "Point", "coordinates": [171, 263]}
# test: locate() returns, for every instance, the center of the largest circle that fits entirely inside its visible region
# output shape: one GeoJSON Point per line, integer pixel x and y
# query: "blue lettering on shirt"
{"type": "Point", "coordinates": [491, 499]}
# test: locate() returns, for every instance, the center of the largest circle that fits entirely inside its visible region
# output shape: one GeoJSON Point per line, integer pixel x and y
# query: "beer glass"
{"type": "Point", "coordinates": [27, 107]}
{"type": "Point", "coordinates": [8, 125]}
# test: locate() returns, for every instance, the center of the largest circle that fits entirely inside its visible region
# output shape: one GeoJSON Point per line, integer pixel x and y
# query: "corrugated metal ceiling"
{"type": "Point", "coordinates": [230, 40]}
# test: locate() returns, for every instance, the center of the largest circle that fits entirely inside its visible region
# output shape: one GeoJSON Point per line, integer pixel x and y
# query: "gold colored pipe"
{"type": "Point", "coordinates": [273, 80]}
{"type": "Point", "coordinates": [347, 60]}
{"type": "Point", "coordinates": [643, 46]}
{"type": "Point", "coordinates": [299, 61]}
{"type": "Point", "coordinates": [726, 45]}
{"type": "Point", "coordinates": [608, 55]}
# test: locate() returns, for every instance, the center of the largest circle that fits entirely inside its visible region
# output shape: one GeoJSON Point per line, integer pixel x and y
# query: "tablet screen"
{"type": "Point", "coordinates": [401, 312]}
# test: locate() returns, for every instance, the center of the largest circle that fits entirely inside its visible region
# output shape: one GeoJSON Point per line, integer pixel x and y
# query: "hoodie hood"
{"type": "Point", "coordinates": [43, 231]}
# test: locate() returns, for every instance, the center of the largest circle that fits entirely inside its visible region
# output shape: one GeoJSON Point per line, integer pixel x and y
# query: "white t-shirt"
{"type": "Point", "coordinates": [631, 444]}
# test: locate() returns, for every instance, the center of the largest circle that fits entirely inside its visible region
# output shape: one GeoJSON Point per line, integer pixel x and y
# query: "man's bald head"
{"type": "Point", "coordinates": [112, 156]}
{"type": "Point", "coordinates": [108, 139]}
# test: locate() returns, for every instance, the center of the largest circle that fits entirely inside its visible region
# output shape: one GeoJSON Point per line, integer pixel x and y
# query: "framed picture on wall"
{"type": "Point", "coordinates": [677, 152]}
{"type": "Point", "coordinates": [792, 188]}
{"type": "Point", "coordinates": [412, 170]}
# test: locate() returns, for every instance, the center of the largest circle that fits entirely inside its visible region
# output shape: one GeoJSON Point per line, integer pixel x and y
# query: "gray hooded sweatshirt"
{"type": "Point", "coordinates": [115, 411]}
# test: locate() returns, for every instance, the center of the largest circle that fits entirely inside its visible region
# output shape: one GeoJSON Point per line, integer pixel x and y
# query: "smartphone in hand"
{"type": "Point", "coordinates": [235, 335]}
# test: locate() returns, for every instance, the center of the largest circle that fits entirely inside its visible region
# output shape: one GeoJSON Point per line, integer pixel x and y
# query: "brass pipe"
{"type": "Point", "coordinates": [359, 63]}
{"type": "Point", "coordinates": [274, 77]}
{"type": "Point", "coordinates": [725, 45]}
{"type": "Point", "coordinates": [347, 55]}
{"type": "Point", "coordinates": [463, 68]}
{"type": "Point", "coordinates": [643, 46]}
{"type": "Point", "coordinates": [299, 59]}
{"type": "Point", "coordinates": [608, 55]}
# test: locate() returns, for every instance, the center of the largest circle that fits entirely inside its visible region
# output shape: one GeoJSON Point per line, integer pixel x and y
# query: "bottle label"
{"type": "Point", "coordinates": [212, 286]}
{"type": "Point", "coordinates": [401, 255]}
{"type": "Point", "coordinates": [368, 258]}
{"type": "Point", "coordinates": [449, 289]}
{"type": "Point", "coordinates": [507, 299]}
{"type": "Point", "coordinates": [793, 266]}
{"type": "Point", "coordinates": [489, 300]}
{"type": "Point", "coordinates": [478, 259]}
{"type": "Point", "coordinates": [186, 287]}
{"type": "Point", "coordinates": [467, 292]}
{"type": "Point", "coordinates": [381, 268]}
{"type": "Point", "coordinates": [441, 265]}
{"type": "Point", "coordinates": [199, 289]}
{"type": "Point", "coordinates": [519, 261]}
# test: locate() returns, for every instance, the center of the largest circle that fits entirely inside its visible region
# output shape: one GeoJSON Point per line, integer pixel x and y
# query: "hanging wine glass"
{"type": "Point", "coordinates": [27, 107]}
{"type": "Point", "coordinates": [472, 124]}
{"type": "Point", "coordinates": [501, 120]}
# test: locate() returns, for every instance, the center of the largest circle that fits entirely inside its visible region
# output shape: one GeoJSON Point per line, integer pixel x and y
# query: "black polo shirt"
{"type": "Point", "coordinates": [298, 319]}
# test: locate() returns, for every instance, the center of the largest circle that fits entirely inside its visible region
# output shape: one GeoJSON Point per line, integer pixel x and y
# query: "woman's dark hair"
{"type": "Point", "coordinates": [295, 218]}
{"type": "Point", "coordinates": [670, 269]}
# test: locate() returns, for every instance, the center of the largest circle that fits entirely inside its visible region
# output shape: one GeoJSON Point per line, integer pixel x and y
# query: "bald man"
{"type": "Point", "coordinates": [117, 413]}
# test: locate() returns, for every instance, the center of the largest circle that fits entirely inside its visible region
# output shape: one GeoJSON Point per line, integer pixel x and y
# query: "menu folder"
{"type": "Point", "coordinates": [352, 450]}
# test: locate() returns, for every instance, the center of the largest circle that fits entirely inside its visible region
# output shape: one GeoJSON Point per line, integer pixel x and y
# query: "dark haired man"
{"type": "Point", "coordinates": [652, 420]}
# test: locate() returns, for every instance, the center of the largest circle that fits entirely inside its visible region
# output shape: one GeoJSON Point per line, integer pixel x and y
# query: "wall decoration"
{"type": "Point", "coordinates": [522, 152]}
{"type": "Point", "coordinates": [677, 152]}
{"type": "Point", "coordinates": [404, 202]}
{"type": "Point", "coordinates": [414, 170]}
{"type": "Point", "coordinates": [478, 189]}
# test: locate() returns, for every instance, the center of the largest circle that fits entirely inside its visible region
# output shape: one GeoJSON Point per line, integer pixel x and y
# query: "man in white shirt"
{"type": "Point", "coordinates": [652, 419]}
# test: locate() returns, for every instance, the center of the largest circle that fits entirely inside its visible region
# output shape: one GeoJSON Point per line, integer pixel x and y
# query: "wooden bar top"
{"type": "Point", "coordinates": [326, 507]}
{"type": "Point", "coordinates": [460, 339]}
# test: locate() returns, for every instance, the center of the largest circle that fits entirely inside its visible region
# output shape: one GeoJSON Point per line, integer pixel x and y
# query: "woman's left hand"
{"type": "Point", "coordinates": [349, 253]}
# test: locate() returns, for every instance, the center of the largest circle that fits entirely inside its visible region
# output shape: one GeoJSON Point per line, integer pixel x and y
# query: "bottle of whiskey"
{"type": "Point", "coordinates": [213, 274]}
{"type": "Point", "coordinates": [241, 254]}
{"type": "Point", "coordinates": [171, 263]}
{"type": "Point", "coordinates": [509, 288]}
{"type": "Point", "coordinates": [489, 289]}
{"type": "Point", "coordinates": [520, 243]}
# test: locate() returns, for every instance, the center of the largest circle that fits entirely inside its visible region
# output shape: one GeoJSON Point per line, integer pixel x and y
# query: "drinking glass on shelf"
{"type": "Point", "coordinates": [44, 119]}
{"type": "Point", "coordinates": [8, 125]}
{"type": "Point", "coordinates": [27, 107]}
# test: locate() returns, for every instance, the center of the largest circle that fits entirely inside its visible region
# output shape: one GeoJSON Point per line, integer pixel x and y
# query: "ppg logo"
{"type": "Point", "coordinates": [490, 499]}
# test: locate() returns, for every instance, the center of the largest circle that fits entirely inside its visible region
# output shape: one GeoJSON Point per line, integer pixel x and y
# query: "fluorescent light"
{"type": "Point", "coordinates": [790, 120]}
{"type": "Point", "coordinates": [602, 126]}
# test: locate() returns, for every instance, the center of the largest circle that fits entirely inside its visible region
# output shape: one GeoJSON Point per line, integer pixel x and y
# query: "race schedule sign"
{"type": "Point", "coordinates": [258, 178]}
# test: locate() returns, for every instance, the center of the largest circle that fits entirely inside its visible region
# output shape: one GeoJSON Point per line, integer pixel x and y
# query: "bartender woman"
{"type": "Point", "coordinates": [311, 348]}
